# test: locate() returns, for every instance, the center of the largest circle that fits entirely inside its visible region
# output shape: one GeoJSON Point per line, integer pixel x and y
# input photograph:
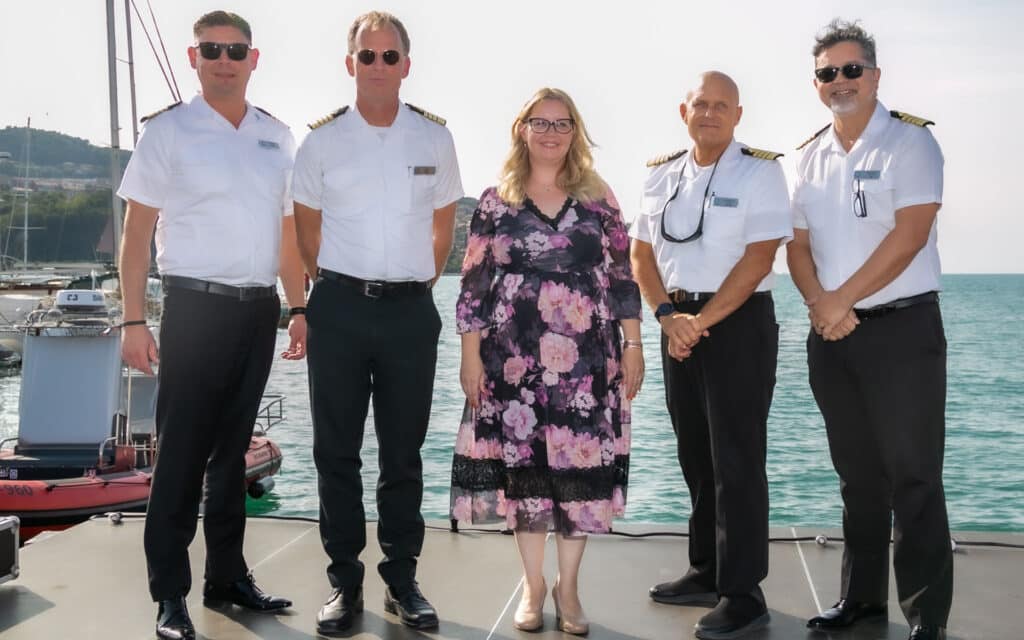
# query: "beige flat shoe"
{"type": "Point", "coordinates": [529, 615]}
{"type": "Point", "coordinates": [576, 627]}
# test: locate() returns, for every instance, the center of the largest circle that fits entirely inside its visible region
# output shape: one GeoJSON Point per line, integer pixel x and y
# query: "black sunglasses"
{"type": "Point", "coordinates": [542, 125]}
{"type": "Point", "coordinates": [700, 221]}
{"type": "Point", "coordinates": [368, 56]}
{"type": "Point", "coordinates": [211, 50]}
{"type": "Point", "coordinates": [851, 71]}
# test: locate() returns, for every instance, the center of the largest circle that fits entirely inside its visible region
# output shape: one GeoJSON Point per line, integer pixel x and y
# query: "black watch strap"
{"type": "Point", "coordinates": [297, 311]}
{"type": "Point", "coordinates": [664, 309]}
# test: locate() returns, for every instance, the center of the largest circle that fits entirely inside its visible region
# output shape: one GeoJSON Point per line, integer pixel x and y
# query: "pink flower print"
{"type": "Point", "coordinates": [569, 219]}
{"type": "Point", "coordinates": [607, 452]}
{"type": "Point", "coordinates": [481, 507]}
{"type": "Point", "coordinates": [618, 239]}
{"type": "Point", "coordinates": [510, 454]}
{"type": "Point", "coordinates": [502, 505]}
{"type": "Point", "coordinates": [536, 242]}
{"type": "Point", "coordinates": [500, 246]}
{"type": "Point", "coordinates": [585, 452]}
{"type": "Point", "coordinates": [611, 366]}
{"type": "Point", "coordinates": [463, 509]}
{"type": "Point", "coordinates": [476, 248]}
{"type": "Point", "coordinates": [511, 282]}
{"type": "Point", "coordinates": [549, 377]}
{"type": "Point", "coordinates": [559, 444]}
{"type": "Point", "coordinates": [552, 297]}
{"type": "Point", "coordinates": [577, 311]}
{"type": "Point", "coordinates": [558, 353]}
{"type": "Point", "coordinates": [622, 443]}
{"type": "Point", "coordinates": [464, 439]}
{"type": "Point", "coordinates": [514, 370]}
{"type": "Point", "coordinates": [618, 505]}
{"type": "Point", "coordinates": [559, 241]}
{"type": "Point", "coordinates": [528, 396]}
{"type": "Point", "coordinates": [520, 418]}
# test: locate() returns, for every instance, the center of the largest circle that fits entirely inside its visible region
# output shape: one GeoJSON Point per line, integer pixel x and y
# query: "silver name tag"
{"type": "Point", "coordinates": [424, 171]}
{"type": "Point", "coordinates": [269, 144]}
{"type": "Point", "coordinates": [866, 174]}
{"type": "Point", "coordinates": [719, 201]}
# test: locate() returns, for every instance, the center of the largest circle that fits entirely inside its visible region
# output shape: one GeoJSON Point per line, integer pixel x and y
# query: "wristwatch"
{"type": "Point", "coordinates": [664, 309]}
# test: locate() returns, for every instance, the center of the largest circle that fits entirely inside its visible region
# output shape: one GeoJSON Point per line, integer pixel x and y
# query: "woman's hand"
{"type": "Point", "coordinates": [471, 375]}
{"type": "Point", "coordinates": [632, 371]}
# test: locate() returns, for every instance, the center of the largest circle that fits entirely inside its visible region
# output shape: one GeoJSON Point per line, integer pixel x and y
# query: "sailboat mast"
{"type": "Point", "coordinates": [115, 143]}
{"type": "Point", "coordinates": [131, 70]}
{"type": "Point", "coordinates": [28, 163]}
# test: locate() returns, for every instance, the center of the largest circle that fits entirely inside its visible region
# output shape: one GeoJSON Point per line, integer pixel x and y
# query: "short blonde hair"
{"type": "Point", "coordinates": [375, 20]}
{"type": "Point", "coordinates": [577, 177]}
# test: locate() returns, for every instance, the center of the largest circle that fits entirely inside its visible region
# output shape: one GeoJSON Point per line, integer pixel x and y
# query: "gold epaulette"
{"type": "Point", "coordinates": [909, 119]}
{"type": "Point", "coordinates": [324, 120]}
{"type": "Point", "coordinates": [668, 157]}
{"type": "Point", "coordinates": [156, 113]}
{"type": "Point", "coordinates": [760, 154]}
{"type": "Point", "coordinates": [811, 139]}
{"type": "Point", "coordinates": [266, 113]}
{"type": "Point", "coordinates": [426, 114]}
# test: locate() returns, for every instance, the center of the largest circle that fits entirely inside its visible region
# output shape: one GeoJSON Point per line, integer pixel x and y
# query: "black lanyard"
{"type": "Point", "coordinates": [700, 222]}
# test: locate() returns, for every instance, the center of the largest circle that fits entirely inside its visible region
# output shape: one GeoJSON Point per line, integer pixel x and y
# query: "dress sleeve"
{"type": "Point", "coordinates": [476, 296]}
{"type": "Point", "coordinates": [623, 292]}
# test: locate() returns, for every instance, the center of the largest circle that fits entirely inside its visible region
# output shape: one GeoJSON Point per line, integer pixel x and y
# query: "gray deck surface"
{"type": "Point", "coordinates": [90, 582]}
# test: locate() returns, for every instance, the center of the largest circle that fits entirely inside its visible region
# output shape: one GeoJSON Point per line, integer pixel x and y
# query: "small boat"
{"type": "Point", "coordinates": [86, 440]}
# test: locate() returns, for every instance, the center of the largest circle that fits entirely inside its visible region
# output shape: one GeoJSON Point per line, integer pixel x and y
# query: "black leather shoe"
{"type": "Point", "coordinates": [732, 617]}
{"type": "Point", "coordinates": [927, 633]}
{"type": "Point", "coordinates": [244, 593]}
{"type": "Point", "coordinates": [409, 604]}
{"type": "Point", "coordinates": [846, 612]}
{"type": "Point", "coordinates": [173, 621]}
{"type": "Point", "coordinates": [339, 611]}
{"type": "Point", "coordinates": [685, 590]}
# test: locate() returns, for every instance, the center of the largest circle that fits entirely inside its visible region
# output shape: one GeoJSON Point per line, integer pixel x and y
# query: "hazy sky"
{"type": "Point", "coordinates": [627, 65]}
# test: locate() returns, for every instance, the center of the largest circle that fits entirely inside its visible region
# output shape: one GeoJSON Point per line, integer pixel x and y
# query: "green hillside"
{"type": "Point", "coordinates": [55, 155]}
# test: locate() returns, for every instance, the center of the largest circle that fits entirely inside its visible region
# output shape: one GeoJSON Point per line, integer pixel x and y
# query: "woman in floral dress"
{"type": "Point", "coordinates": [550, 322]}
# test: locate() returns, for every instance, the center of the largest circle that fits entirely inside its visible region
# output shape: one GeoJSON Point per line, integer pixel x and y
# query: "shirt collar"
{"type": "Point", "coordinates": [398, 122]}
{"type": "Point", "coordinates": [199, 103]}
{"type": "Point", "coordinates": [877, 123]}
{"type": "Point", "coordinates": [729, 156]}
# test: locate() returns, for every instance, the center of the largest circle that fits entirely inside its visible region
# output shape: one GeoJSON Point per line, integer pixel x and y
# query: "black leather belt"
{"type": "Point", "coordinates": [377, 288]}
{"type": "Point", "coordinates": [896, 305]}
{"type": "Point", "coordinates": [682, 295]}
{"type": "Point", "coordinates": [240, 293]}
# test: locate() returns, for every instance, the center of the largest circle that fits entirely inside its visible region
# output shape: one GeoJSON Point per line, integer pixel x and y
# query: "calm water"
{"type": "Point", "coordinates": [984, 467]}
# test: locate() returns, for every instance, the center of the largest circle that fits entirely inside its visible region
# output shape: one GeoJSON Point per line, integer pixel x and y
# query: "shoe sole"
{"type": "Point", "coordinates": [211, 603]}
{"type": "Point", "coordinates": [390, 607]}
{"type": "Point", "coordinates": [337, 630]}
{"type": "Point", "coordinates": [754, 625]}
{"type": "Point", "coordinates": [874, 617]}
{"type": "Point", "coordinates": [707, 599]}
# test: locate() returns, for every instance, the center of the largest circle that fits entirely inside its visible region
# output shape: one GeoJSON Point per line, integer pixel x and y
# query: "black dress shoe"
{"type": "Point", "coordinates": [846, 612]}
{"type": "Point", "coordinates": [172, 620]}
{"type": "Point", "coordinates": [409, 604]}
{"type": "Point", "coordinates": [927, 633]}
{"type": "Point", "coordinates": [685, 590]}
{"type": "Point", "coordinates": [244, 593]}
{"type": "Point", "coordinates": [339, 611]}
{"type": "Point", "coordinates": [733, 617]}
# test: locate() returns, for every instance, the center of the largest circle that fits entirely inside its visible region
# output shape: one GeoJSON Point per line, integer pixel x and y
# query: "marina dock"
{"type": "Point", "coordinates": [89, 582]}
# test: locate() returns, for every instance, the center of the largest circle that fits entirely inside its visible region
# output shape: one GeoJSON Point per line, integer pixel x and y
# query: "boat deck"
{"type": "Point", "coordinates": [89, 582]}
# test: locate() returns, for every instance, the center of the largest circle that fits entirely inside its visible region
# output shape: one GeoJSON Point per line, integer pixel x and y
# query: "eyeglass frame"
{"type": "Point", "coordinates": [859, 198]}
{"type": "Point", "coordinates": [668, 237]}
{"type": "Point", "coordinates": [848, 70]}
{"type": "Point", "coordinates": [363, 54]}
{"type": "Point", "coordinates": [222, 48]}
{"type": "Point", "coordinates": [550, 124]}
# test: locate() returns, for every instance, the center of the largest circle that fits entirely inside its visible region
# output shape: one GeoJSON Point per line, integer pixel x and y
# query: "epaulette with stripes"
{"type": "Point", "coordinates": [811, 139]}
{"type": "Point", "coordinates": [331, 116]}
{"type": "Point", "coordinates": [760, 154]}
{"type": "Point", "coordinates": [156, 113]}
{"type": "Point", "coordinates": [668, 157]}
{"type": "Point", "coordinates": [909, 119]}
{"type": "Point", "coordinates": [266, 113]}
{"type": "Point", "coordinates": [426, 114]}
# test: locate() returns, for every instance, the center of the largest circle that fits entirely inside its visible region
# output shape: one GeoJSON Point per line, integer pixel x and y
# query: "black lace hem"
{"type": "Point", "coordinates": [561, 485]}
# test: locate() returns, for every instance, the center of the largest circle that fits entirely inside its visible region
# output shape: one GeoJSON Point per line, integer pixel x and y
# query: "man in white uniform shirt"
{"type": "Point", "coordinates": [375, 193]}
{"type": "Point", "coordinates": [704, 243]}
{"type": "Point", "coordinates": [212, 176]}
{"type": "Point", "coordinates": [864, 257]}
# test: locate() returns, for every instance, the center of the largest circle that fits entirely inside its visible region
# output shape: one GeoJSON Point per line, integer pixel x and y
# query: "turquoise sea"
{"type": "Point", "coordinates": [984, 466]}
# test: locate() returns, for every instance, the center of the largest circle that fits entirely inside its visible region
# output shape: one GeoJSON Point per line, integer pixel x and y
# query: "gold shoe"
{"type": "Point", "coordinates": [529, 616]}
{"type": "Point", "coordinates": [579, 627]}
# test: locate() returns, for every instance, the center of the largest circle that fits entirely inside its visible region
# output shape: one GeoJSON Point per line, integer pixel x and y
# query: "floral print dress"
{"type": "Point", "coordinates": [548, 448]}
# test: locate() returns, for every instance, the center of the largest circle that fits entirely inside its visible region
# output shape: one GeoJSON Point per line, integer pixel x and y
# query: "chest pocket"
{"type": "Point", "coordinates": [878, 199]}
{"type": "Point", "coordinates": [347, 189]}
{"type": "Point", "coordinates": [422, 178]}
{"type": "Point", "coordinates": [724, 215]}
{"type": "Point", "coordinates": [202, 169]}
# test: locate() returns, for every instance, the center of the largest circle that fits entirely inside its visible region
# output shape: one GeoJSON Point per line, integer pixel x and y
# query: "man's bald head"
{"type": "Point", "coordinates": [711, 112]}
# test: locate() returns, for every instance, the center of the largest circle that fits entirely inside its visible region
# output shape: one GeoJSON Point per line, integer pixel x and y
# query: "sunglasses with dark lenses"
{"type": "Point", "coordinates": [850, 70]}
{"type": "Point", "coordinates": [211, 50]}
{"type": "Point", "coordinates": [368, 56]}
{"type": "Point", "coordinates": [542, 125]}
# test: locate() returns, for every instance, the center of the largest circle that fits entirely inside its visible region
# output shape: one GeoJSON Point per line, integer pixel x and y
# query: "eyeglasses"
{"type": "Point", "coordinates": [860, 200]}
{"type": "Point", "coordinates": [851, 71]}
{"type": "Point", "coordinates": [368, 56]}
{"type": "Point", "coordinates": [541, 125]}
{"type": "Point", "coordinates": [211, 50]}
{"type": "Point", "coordinates": [703, 203]}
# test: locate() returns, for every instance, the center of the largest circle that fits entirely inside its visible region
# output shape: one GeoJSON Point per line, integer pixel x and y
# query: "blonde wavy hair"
{"type": "Point", "coordinates": [577, 177]}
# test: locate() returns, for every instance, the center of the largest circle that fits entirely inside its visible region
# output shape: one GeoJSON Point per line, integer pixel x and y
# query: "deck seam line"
{"type": "Point", "coordinates": [807, 571]}
{"type": "Point", "coordinates": [283, 547]}
{"type": "Point", "coordinates": [504, 609]}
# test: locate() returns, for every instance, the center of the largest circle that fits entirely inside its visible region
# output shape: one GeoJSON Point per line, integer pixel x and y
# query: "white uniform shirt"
{"type": "Point", "coordinates": [748, 201]}
{"type": "Point", "coordinates": [377, 189]}
{"type": "Point", "coordinates": [895, 165]}
{"type": "Point", "coordinates": [221, 192]}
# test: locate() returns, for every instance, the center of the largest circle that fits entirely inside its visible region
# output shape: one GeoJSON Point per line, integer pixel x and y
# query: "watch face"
{"type": "Point", "coordinates": [664, 309]}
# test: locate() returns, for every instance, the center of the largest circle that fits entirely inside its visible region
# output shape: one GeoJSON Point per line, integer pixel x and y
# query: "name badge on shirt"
{"type": "Point", "coordinates": [269, 144]}
{"type": "Point", "coordinates": [867, 174]}
{"type": "Point", "coordinates": [719, 201]}
{"type": "Point", "coordinates": [424, 171]}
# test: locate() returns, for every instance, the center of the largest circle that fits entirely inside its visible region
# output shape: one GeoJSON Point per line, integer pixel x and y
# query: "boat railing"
{"type": "Point", "coordinates": [270, 414]}
{"type": "Point", "coordinates": [103, 445]}
{"type": "Point", "coordinates": [6, 440]}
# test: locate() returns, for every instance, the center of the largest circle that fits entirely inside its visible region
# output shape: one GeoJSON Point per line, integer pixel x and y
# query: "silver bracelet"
{"type": "Point", "coordinates": [632, 344]}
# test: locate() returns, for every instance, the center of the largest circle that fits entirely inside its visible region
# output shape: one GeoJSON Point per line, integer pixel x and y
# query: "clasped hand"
{"type": "Point", "coordinates": [684, 331]}
{"type": "Point", "coordinates": [831, 316]}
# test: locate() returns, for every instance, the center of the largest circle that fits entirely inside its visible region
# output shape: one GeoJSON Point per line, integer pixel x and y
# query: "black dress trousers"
{"type": "Point", "coordinates": [718, 400]}
{"type": "Point", "coordinates": [882, 392]}
{"type": "Point", "coordinates": [215, 357]}
{"type": "Point", "coordinates": [360, 348]}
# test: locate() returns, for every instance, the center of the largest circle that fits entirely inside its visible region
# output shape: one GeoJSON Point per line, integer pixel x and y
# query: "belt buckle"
{"type": "Point", "coordinates": [373, 289]}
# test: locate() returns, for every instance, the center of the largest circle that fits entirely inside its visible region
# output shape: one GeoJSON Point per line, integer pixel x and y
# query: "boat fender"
{"type": "Point", "coordinates": [115, 517]}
